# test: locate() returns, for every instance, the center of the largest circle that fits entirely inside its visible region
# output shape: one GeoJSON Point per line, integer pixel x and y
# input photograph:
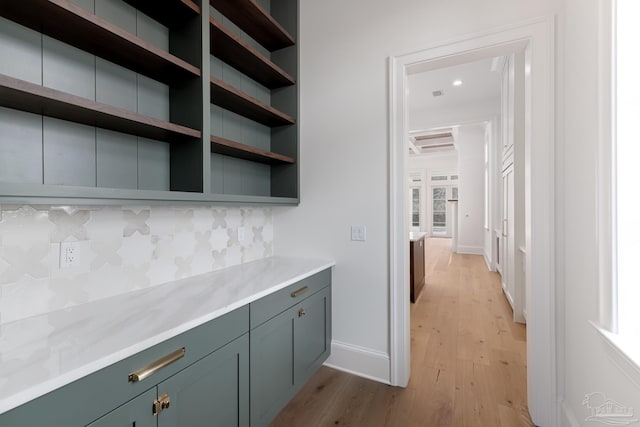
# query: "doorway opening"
{"type": "Point", "coordinates": [534, 41]}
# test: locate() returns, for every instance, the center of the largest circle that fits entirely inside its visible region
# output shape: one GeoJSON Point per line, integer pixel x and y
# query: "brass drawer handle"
{"type": "Point", "coordinates": [296, 294]}
{"type": "Point", "coordinates": [154, 367]}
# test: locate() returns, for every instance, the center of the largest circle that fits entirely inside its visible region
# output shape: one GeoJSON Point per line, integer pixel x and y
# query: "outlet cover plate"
{"type": "Point", "coordinates": [69, 255]}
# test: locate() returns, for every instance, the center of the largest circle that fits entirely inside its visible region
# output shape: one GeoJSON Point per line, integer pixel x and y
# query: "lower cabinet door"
{"type": "Point", "coordinates": [212, 392]}
{"type": "Point", "coordinates": [135, 413]}
{"type": "Point", "coordinates": [285, 352]}
{"type": "Point", "coordinates": [271, 367]}
{"type": "Point", "coordinates": [312, 336]}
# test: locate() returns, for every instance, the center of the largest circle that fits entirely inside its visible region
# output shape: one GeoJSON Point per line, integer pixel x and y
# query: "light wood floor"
{"type": "Point", "coordinates": [468, 360]}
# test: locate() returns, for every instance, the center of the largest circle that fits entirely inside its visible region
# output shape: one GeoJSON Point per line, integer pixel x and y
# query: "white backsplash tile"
{"type": "Point", "coordinates": [120, 249]}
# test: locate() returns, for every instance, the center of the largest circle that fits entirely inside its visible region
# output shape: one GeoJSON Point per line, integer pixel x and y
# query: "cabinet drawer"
{"type": "Point", "coordinates": [110, 387]}
{"type": "Point", "coordinates": [274, 304]}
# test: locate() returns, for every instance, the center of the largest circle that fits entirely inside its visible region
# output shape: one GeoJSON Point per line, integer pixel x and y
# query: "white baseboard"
{"type": "Point", "coordinates": [470, 250]}
{"type": "Point", "coordinates": [487, 261]}
{"type": "Point", "coordinates": [507, 296]}
{"type": "Point", "coordinates": [360, 361]}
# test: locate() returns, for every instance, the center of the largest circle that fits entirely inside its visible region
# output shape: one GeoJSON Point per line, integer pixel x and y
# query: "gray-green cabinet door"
{"type": "Point", "coordinates": [311, 335]}
{"type": "Point", "coordinates": [285, 352]}
{"type": "Point", "coordinates": [135, 413]}
{"type": "Point", "coordinates": [271, 367]}
{"type": "Point", "coordinates": [212, 392]}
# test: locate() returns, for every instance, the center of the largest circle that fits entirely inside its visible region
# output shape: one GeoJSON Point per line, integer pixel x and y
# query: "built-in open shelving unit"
{"type": "Point", "coordinates": [255, 21]}
{"type": "Point", "coordinates": [32, 98]}
{"type": "Point", "coordinates": [232, 99]}
{"type": "Point", "coordinates": [240, 55]}
{"type": "Point", "coordinates": [168, 13]}
{"type": "Point", "coordinates": [272, 65]}
{"type": "Point", "coordinates": [247, 152]}
{"type": "Point", "coordinates": [202, 160]}
{"type": "Point", "coordinates": [71, 24]}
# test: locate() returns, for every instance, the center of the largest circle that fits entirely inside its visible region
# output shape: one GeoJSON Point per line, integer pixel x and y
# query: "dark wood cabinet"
{"type": "Point", "coordinates": [416, 272]}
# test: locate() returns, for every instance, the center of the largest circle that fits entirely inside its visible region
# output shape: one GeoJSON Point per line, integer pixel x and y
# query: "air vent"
{"type": "Point", "coordinates": [437, 93]}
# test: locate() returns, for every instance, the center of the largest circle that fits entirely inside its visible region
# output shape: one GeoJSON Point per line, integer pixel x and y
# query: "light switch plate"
{"type": "Point", "coordinates": [358, 233]}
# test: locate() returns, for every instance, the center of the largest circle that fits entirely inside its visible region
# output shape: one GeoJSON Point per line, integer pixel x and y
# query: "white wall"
{"type": "Point", "coordinates": [344, 127]}
{"type": "Point", "coordinates": [589, 366]}
{"type": "Point", "coordinates": [468, 162]}
{"type": "Point", "coordinates": [473, 112]}
{"type": "Point", "coordinates": [470, 145]}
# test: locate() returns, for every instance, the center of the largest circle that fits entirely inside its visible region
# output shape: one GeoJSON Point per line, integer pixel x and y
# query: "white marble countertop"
{"type": "Point", "coordinates": [414, 236]}
{"type": "Point", "coordinates": [43, 353]}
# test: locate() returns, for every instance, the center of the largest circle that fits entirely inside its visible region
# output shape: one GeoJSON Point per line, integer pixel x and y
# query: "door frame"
{"type": "Point", "coordinates": [536, 38]}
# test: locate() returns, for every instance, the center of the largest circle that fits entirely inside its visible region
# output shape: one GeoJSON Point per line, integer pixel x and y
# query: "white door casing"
{"type": "Point", "coordinates": [536, 39]}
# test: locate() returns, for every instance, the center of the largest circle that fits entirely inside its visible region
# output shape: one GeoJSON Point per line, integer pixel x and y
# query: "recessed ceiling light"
{"type": "Point", "coordinates": [457, 82]}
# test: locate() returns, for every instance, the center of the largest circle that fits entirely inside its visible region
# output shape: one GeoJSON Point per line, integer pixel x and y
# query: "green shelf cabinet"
{"type": "Point", "coordinates": [116, 102]}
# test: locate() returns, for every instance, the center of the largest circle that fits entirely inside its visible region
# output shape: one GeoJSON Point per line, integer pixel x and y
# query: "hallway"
{"type": "Point", "coordinates": [468, 360]}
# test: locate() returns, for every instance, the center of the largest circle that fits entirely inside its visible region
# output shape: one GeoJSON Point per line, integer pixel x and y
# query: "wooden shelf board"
{"type": "Point", "coordinates": [256, 22]}
{"type": "Point", "coordinates": [72, 24]}
{"type": "Point", "coordinates": [232, 99]}
{"type": "Point", "coordinates": [247, 152]}
{"type": "Point", "coordinates": [170, 13]}
{"type": "Point", "coordinates": [244, 58]}
{"type": "Point", "coordinates": [32, 98]}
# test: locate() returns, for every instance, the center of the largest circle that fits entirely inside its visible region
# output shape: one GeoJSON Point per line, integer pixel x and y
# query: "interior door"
{"type": "Point", "coordinates": [442, 210]}
{"type": "Point", "coordinates": [414, 208]}
{"type": "Point", "coordinates": [439, 212]}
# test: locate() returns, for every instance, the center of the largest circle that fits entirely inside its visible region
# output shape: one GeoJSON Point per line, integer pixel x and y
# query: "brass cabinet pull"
{"type": "Point", "coordinates": [299, 292]}
{"type": "Point", "coordinates": [301, 312]}
{"type": "Point", "coordinates": [161, 404]}
{"type": "Point", "coordinates": [154, 367]}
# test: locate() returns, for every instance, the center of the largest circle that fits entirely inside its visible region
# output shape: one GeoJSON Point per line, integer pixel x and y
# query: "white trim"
{"type": "Point", "coordinates": [360, 361]}
{"type": "Point", "coordinates": [625, 354]}
{"type": "Point", "coordinates": [399, 331]}
{"type": "Point", "coordinates": [568, 417]}
{"type": "Point", "coordinates": [537, 39]}
{"type": "Point", "coordinates": [507, 295]}
{"type": "Point", "coordinates": [605, 182]}
{"type": "Point", "coordinates": [486, 261]}
{"type": "Point", "coordinates": [470, 250]}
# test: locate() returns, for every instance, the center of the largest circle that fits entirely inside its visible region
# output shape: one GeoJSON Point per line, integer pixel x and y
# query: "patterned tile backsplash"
{"type": "Point", "coordinates": [118, 249]}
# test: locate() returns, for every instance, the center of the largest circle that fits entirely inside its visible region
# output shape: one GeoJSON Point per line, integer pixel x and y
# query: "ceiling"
{"type": "Point", "coordinates": [481, 85]}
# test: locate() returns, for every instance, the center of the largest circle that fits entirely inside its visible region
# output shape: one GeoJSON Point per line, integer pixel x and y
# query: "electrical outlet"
{"type": "Point", "coordinates": [69, 255]}
{"type": "Point", "coordinates": [241, 234]}
{"type": "Point", "coordinates": [358, 233]}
